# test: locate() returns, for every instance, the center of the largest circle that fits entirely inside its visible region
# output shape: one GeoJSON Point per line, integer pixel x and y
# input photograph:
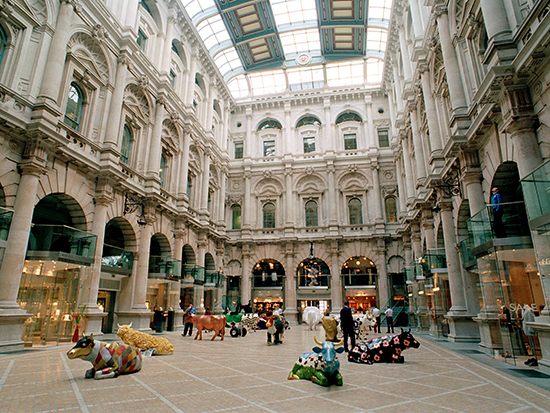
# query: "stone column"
{"type": "Point", "coordinates": [453, 263]}
{"type": "Point", "coordinates": [144, 250]}
{"type": "Point", "coordinates": [115, 110]}
{"type": "Point", "coordinates": [494, 16]}
{"type": "Point", "coordinates": [131, 13]}
{"type": "Point", "coordinates": [289, 219]}
{"type": "Point", "coordinates": [328, 128]}
{"type": "Point", "coordinates": [452, 69]}
{"type": "Point", "coordinates": [287, 148]}
{"type": "Point", "coordinates": [248, 140]}
{"type": "Point", "coordinates": [332, 204]}
{"type": "Point", "coordinates": [431, 115]}
{"type": "Point", "coordinates": [383, 281]}
{"type": "Point", "coordinates": [406, 60]}
{"type": "Point", "coordinates": [11, 315]}
{"type": "Point", "coordinates": [246, 210]}
{"type": "Point", "coordinates": [376, 192]}
{"type": "Point", "coordinates": [472, 177]}
{"type": "Point", "coordinates": [155, 149]}
{"type": "Point", "coordinates": [221, 199]}
{"type": "Point", "coordinates": [175, 289]}
{"type": "Point", "coordinates": [526, 148]}
{"type": "Point", "coordinates": [198, 289]}
{"type": "Point", "coordinates": [167, 52]}
{"type": "Point", "coordinates": [370, 136]}
{"type": "Point", "coordinates": [418, 149]}
{"type": "Point", "coordinates": [184, 175]}
{"type": "Point", "coordinates": [91, 285]}
{"type": "Point", "coordinates": [290, 311]}
{"type": "Point", "coordinates": [51, 82]}
{"type": "Point", "coordinates": [401, 188]}
{"type": "Point", "coordinates": [218, 309]}
{"type": "Point", "coordinates": [247, 271]}
{"type": "Point", "coordinates": [408, 169]}
{"type": "Point", "coordinates": [336, 293]}
{"type": "Point", "coordinates": [193, 59]}
{"type": "Point", "coordinates": [416, 19]}
{"type": "Point", "coordinates": [205, 184]}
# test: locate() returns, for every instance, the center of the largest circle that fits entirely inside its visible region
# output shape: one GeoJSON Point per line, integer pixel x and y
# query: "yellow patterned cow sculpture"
{"type": "Point", "coordinates": [144, 341]}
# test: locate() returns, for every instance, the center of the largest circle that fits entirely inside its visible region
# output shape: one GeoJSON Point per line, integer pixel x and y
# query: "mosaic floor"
{"type": "Point", "coordinates": [245, 375]}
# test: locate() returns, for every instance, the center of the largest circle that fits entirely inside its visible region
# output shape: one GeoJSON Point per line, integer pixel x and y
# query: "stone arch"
{"type": "Point", "coordinates": [396, 264]}
{"type": "Point", "coordinates": [353, 181]}
{"type": "Point", "coordinates": [160, 246]}
{"type": "Point", "coordinates": [268, 187]}
{"type": "Point", "coordinates": [137, 101]}
{"type": "Point", "coordinates": [234, 268]}
{"type": "Point", "coordinates": [310, 183]}
{"type": "Point", "coordinates": [188, 256]}
{"type": "Point", "coordinates": [128, 233]}
{"type": "Point", "coordinates": [89, 52]}
{"type": "Point", "coordinates": [170, 135]}
{"type": "Point", "coordinates": [209, 262]}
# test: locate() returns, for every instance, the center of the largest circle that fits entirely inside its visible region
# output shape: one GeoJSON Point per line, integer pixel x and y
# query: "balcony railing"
{"type": "Point", "coordinates": [116, 260]}
{"type": "Point", "coordinates": [266, 280]}
{"type": "Point", "coordinates": [536, 192]}
{"type": "Point", "coordinates": [164, 267]}
{"type": "Point", "coordinates": [5, 222]}
{"type": "Point", "coordinates": [466, 246]}
{"type": "Point", "coordinates": [317, 281]}
{"type": "Point", "coordinates": [60, 242]}
{"type": "Point", "coordinates": [192, 272]}
{"type": "Point", "coordinates": [433, 260]}
{"type": "Point", "coordinates": [514, 223]}
{"type": "Point", "coordinates": [361, 279]}
{"type": "Point", "coordinates": [213, 277]}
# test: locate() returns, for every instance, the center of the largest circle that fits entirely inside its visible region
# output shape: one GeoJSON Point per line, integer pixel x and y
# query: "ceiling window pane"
{"type": "Point", "coordinates": [300, 41]}
{"type": "Point", "coordinates": [194, 7]}
{"type": "Point", "coordinates": [227, 60]}
{"type": "Point", "coordinates": [293, 11]}
{"type": "Point", "coordinates": [345, 74]}
{"type": "Point", "coordinates": [376, 39]}
{"type": "Point", "coordinates": [212, 31]}
{"type": "Point", "coordinates": [238, 87]}
{"type": "Point", "coordinates": [305, 78]}
{"type": "Point", "coordinates": [267, 82]}
{"type": "Point", "coordinates": [380, 9]}
{"type": "Point", "coordinates": [374, 68]}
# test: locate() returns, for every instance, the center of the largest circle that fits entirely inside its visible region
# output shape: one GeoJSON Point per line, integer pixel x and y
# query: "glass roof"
{"type": "Point", "coordinates": [268, 46]}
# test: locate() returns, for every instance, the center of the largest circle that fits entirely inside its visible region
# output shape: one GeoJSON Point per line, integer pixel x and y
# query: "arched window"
{"type": "Point", "coordinates": [269, 124]}
{"type": "Point", "coordinates": [126, 144]}
{"type": "Point", "coordinates": [355, 211]}
{"type": "Point", "coordinates": [3, 42]}
{"type": "Point", "coordinates": [162, 170]}
{"type": "Point", "coordinates": [391, 209]}
{"type": "Point", "coordinates": [311, 214]}
{"type": "Point", "coordinates": [73, 111]}
{"type": "Point", "coordinates": [236, 217]}
{"type": "Point", "coordinates": [269, 215]}
{"type": "Point", "coordinates": [348, 117]}
{"type": "Point", "coordinates": [308, 120]}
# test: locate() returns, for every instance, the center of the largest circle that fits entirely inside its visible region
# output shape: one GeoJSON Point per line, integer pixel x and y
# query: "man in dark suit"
{"type": "Point", "coordinates": [347, 324]}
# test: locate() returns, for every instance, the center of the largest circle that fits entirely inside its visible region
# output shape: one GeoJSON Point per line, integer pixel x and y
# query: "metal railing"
{"type": "Point", "coordinates": [60, 239]}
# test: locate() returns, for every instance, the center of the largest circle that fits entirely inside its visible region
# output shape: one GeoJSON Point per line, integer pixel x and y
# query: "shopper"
{"type": "Point", "coordinates": [389, 319]}
{"type": "Point", "coordinates": [376, 314]}
{"type": "Point", "coordinates": [347, 324]}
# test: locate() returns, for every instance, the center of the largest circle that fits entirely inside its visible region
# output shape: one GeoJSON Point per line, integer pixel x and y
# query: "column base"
{"type": "Point", "coordinates": [11, 329]}
{"type": "Point", "coordinates": [94, 319]}
{"type": "Point", "coordinates": [542, 329]}
{"type": "Point", "coordinates": [140, 319]}
{"type": "Point", "coordinates": [462, 328]}
{"type": "Point", "coordinates": [489, 331]}
{"type": "Point", "coordinates": [291, 316]}
{"type": "Point", "coordinates": [178, 319]}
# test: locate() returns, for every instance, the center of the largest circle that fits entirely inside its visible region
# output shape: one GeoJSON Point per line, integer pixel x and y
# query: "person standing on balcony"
{"type": "Point", "coordinates": [496, 209]}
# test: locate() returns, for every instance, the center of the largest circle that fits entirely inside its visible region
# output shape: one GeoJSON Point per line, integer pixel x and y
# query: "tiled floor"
{"type": "Point", "coordinates": [245, 375]}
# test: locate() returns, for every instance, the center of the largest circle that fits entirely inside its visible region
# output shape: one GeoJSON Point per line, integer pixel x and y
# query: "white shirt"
{"type": "Point", "coordinates": [389, 312]}
{"type": "Point", "coordinates": [376, 312]}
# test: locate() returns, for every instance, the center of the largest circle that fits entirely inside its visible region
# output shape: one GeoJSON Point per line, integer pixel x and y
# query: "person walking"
{"type": "Point", "coordinates": [188, 325]}
{"type": "Point", "coordinates": [389, 319]}
{"type": "Point", "coordinates": [376, 314]}
{"type": "Point", "coordinates": [347, 324]}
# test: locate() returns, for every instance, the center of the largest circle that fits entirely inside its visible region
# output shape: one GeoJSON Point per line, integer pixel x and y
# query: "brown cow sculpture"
{"type": "Point", "coordinates": [208, 322]}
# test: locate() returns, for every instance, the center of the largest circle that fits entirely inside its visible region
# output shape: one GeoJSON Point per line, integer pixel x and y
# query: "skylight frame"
{"type": "Point", "coordinates": [293, 12]}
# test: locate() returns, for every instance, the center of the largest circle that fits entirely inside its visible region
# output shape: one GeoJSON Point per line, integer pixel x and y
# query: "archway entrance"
{"type": "Point", "coordinates": [268, 277]}
{"type": "Point", "coordinates": [360, 280]}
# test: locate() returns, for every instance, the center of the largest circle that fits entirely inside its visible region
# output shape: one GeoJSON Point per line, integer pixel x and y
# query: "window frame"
{"type": "Point", "coordinates": [238, 149]}
{"type": "Point", "coordinates": [269, 144]}
{"type": "Point", "coordinates": [381, 138]}
{"type": "Point", "coordinates": [141, 39]}
{"type": "Point", "coordinates": [236, 222]}
{"type": "Point", "coordinates": [80, 106]}
{"type": "Point", "coordinates": [346, 135]}
{"type": "Point", "coordinates": [309, 147]}
{"type": "Point", "coordinates": [268, 222]}
{"type": "Point", "coordinates": [310, 219]}
{"type": "Point", "coordinates": [389, 213]}
{"type": "Point", "coordinates": [126, 144]}
{"type": "Point", "coordinates": [358, 210]}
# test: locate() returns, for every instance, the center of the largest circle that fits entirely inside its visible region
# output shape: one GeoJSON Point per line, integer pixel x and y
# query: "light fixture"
{"type": "Point", "coordinates": [130, 206]}
{"type": "Point", "coordinates": [421, 292]}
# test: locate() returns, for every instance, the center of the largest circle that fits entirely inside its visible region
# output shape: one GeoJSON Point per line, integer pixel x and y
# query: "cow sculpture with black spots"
{"type": "Point", "coordinates": [108, 359]}
{"type": "Point", "coordinates": [385, 349]}
{"type": "Point", "coordinates": [320, 366]}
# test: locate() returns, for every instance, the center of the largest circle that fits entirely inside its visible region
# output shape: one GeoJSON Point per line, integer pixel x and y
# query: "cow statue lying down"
{"type": "Point", "coordinates": [208, 322]}
{"type": "Point", "coordinates": [320, 366]}
{"type": "Point", "coordinates": [386, 349]}
{"type": "Point", "coordinates": [144, 341]}
{"type": "Point", "coordinates": [108, 359]}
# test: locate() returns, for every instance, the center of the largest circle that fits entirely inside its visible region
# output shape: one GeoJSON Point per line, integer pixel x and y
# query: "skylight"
{"type": "Point", "coordinates": [269, 46]}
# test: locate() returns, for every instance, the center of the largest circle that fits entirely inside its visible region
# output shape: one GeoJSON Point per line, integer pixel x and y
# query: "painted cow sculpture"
{"type": "Point", "coordinates": [108, 359]}
{"type": "Point", "coordinates": [320, 366]}
{"type": "Point", "coordinates": [385, 349]}
{"type": "Point", "coordinates": [144, 341]}
{"type": "Point", "coordinates": [312, 316]}
{"type": "Point", "coordinates": [208, 322]}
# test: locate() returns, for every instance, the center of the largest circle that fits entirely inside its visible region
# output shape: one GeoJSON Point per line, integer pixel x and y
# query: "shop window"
{"type": "Point", "coordinates": [391, 209]}
{"type": "Point", "coordinates": [269, 215]}
{"type": "Point", "coordinates": [239, 146]}
{"type": "Point", "coordinates": [350, 142]}
{"type": "Point", "coordinates": [126, 144]}
{"type": "Point", "coordinates": [75, 103]}
{"type": "Point", "coordinates": [383, 139]}
{"type": "Point", "coordinates": [311, 214]}
{"type": "Point", "coordinates": [236, 217]}
{"type": "Point", "coordinates": [141, 40]}
{"type": "Point", "coordinates": [355, 211]}
{"type": "Point", "coordinates": [309, 144]}
{"type": "Point", "coordinates": [269, 148]}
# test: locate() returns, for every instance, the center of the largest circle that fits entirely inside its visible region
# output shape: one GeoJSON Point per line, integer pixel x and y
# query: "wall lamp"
{"type": "Point", "coordinates": [131, 204]}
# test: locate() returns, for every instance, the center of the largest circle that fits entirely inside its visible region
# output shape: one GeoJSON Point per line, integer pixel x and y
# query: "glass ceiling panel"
{"type": "Point", "coordinates": [376, 39]}
{"type": "Point", "coordinates": [293, 11]}
{"type": "Point", "coordinates": [299, 41]}
{"type": "Point", "coordinates": [194, 7]}
{"type": "Point", "coordinates": [228, 60]}
{"type": "Point", "coordinates": [345, 74]}
{"type": "Point", "coordinates": [380, 9]}
{"type": "Point", "coordinates": [305, 78]}
{"type": "Point", "coordinates": [238, 86]}
{"type": "Point", "coordinates": [213, 31]}
{"type": "Point", "coordinates": [375, 69]}
{"type": "Point", "coordinates": [268, 82]}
